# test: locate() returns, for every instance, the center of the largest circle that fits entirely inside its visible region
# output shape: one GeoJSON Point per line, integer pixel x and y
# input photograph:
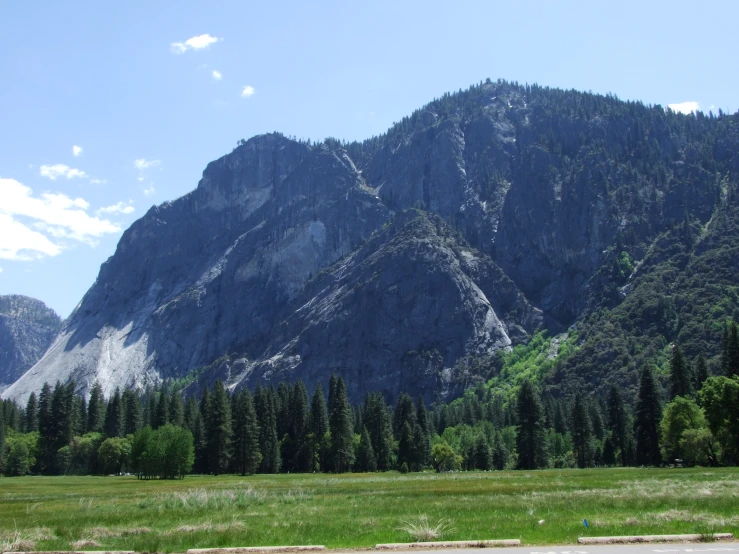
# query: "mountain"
{"type": "Point", "coordinates": [413, 261]}
{"type": "Point", "coordinates": [27, 328]}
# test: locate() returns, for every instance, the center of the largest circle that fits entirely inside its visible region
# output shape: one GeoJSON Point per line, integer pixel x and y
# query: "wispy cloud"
{"type": "Point", "coordinates": [98, 181]}
{"type": "Point", "coordinates": [76, 151]}
{"type": "Point", "coordinates": [60, 170]}
{"type": "Point", "coordinates": [36, 226]}
{"type": "Point", "coordinates": [193, 43]}
{"type": "Point", "coordinates": [248, 91]}
{"type": "Point", "coordinates": [142, 164]}
{"type": "Point", "coordinates": [685, 107]}
{"type": "Point", "coordinates": [149, 191]}
{"type": "Point", "coordinates": [217, 75]}
{"type": "Point", "coordinates": [119, 208]}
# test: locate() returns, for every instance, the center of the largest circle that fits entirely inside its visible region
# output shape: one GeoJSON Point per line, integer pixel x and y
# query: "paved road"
{"type": "Point", "coordinates": [654, 548]}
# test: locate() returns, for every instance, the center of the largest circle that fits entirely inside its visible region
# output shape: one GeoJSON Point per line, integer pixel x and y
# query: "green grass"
{"type": "Point", "coordinates": [361, 510]}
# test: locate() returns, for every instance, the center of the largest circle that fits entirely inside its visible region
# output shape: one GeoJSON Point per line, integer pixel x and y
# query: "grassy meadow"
{"type": "Point", "coordinates": [360, 510]}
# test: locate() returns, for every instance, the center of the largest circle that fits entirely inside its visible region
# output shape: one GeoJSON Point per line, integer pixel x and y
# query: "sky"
{"type": "Point", "coordinates": [110, 108]}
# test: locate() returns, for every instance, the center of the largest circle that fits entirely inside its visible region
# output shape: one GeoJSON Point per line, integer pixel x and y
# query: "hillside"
{"type": "Point", "coordinates": [412, 261]}
{"type": "Point", "coordinates": [27, 328]}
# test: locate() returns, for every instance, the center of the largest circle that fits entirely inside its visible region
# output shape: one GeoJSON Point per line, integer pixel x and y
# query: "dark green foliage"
{"type": "Point", "coordinates": [96, 409]}
{"type": "Point", "coordinates": [161, 415]}
{"type": "Point", "coordinates": [176, 410]}
{"type": "Point", "coordinates": [617, 425]}
{"type": "Point", "coordinates": [31, 415]}
{"type": "Point", "coordinates": [269, 444]}
{"type": "Point", "coordinates": [341, 428]}
{"type": "Point", "coordinates": [378, 423]}
{"type": "Point", "coordinates": [404, 413]}
{"type": "Point", "coordinates": [133, 416]}
{"type": "Point", "coordinates": [700, 371]}
{"type": "Point", "coordinates": [581, 432]}
{"type": "Point", "coordinates": [681, 375]}
{"type": "Point", "coordinates": [366, 460]}
{"type": "Point", "coordinates": [732, 352]}
{"type": "Point", "coordinates": [646, 422]}
{"type": "Point", "coordinates": [115, 419]}
{"type": "Point", "coordinates": [166, 452]}
{"type": "Point", "coordinates": [530, 438]}
{"type": "Point", "coordinates": [3, 432]}
{"type": "Point", "coordinates": [318, 427]}
{"type": "Point", "coordinates": [246, 455]}
{"type": "Point", "coordinates": [218, 429]}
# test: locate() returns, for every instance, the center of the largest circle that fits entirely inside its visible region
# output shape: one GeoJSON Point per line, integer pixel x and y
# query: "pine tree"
{"type": "Point", "coordinates": [80, 416]}
{"type": "Point", "coordinates": [176, 410]}
{"type": "Point", "coordinates": [340, 423]}
{"type": "Point", "coordinates": [732, 367]}
{"type": "Point", "coordinates": [365, 454]}
{"type": "Point", "coordinates": [245, 434]}
{"type": "Point", "coordinates": [581, 432]}
{"type": "Point", "coordinates": [298, 455]}
{"type": "Point", "coordinates": [96, 409]}
{"type": "Point", "coordinates": [269, 445]}
{"type": "Point", "coordinates": [405, 447]}
{"type": "Point", "coordinates": [560, 421]}
{"type": "Point", "coordinates": [422, 418]}
{"type": "Point", "coordinates": [483, 455]}
{"type": "Point", "coordinates": [2, 442]}
{"type": "Point", "coordinates": [161, 416]}
{"type": "Point", "coordinates": [218, 429]}
{"type": "Point", "coordinates": [318, 430]}
{"type": "Point", "coordinates": [681, 379]}
{"type": "Point", "coordinates": [282, 411]}
{"type": "Point", "coordinates": [405, 413]}
{"type": "Point", "coordinates": [114, 416]}
{"type": "Point", "coordinates": [700, 372]}
{"type": "Point", "coordinates": [617, 422]}
{"type": "Point", "coordinates": [378, 423]}
{"type": "Point", "coordinates": [646, 423]}
{"type": "Point", "coordinates": [31, 416]}
{"type": "Point", "coordinates": [133, 417]}
{"type": "Point", "coordinates": [46, 455]}
{"type": "Point", "coordinates": [530, 437]}
{"type": "Point", "coordinates": [331, 392]}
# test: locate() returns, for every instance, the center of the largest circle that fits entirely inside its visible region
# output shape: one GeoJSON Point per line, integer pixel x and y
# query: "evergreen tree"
{"type": "Point", "coordinates": [404, 413]}
{"type": "Point", "coordinates": [405, 447]}
{"type": "Point", "coordinates": [299, 450]}
{"type": "Point", "coordinates": [331, 392]}
{"type": "Point", "coordinates": [218, 429]}
{"type": "Point", "coordinates": [681, 379]}
{"type": "Point", "coordinates": [318, 430]}
{"type": "Point", "coordinates": [379, 426]}
{"type": "Point", "coordinates": [560, 421]}
{"type": "Point", "coordinates": [342, 436]}
{"type": "Point", "coordinates": [617, 423]}
{"type": "Point", "coordinates": [46, 455]}
{"type": "Point", "coordinates": [646, 423]}
{"type": "Point", "coordinates": [133, 417]}
{"type": "Point", "coordinates": [732, 367]}
{"type": "Point", "coordinates": [365, 454]}
{"type": "Point", "coordinates": [161, 416]}
{"type": "Point", "coordinates": [96, 409]}
{"type": "Point", "coordinates": [31, 418]}
{"type": "Point", "coordinates": [176, 410]}
{"type": "Point", "coordinates": [422, 418]}
{"type": "Point", "coordinates": [2, 442]}
{"type": "Point", "coordinates": [482, 453]}
{"type": "Point", "coordinates": [150, 411]}
{"type": "Point", "coordinates": [269, 445]}
{"type": "Point", "coordinates": [114, 416]}
{"type": "Point", "coordinates": [80, 416]}
{"type": "Point", "coordinates": [530, 441]}
{"type": "Point", "coordinates": [700, 372]}
{"type": "Point", "coordinates": [245, 434]}
{"type": "Point", "coordinates": [282, 411]}
{"type": "Point", "coordinates": [581, 432]}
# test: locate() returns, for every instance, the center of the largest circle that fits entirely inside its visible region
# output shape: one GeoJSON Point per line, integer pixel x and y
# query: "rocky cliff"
{"type": "Point", "coordinates": [27, 328]}
{"type": "Point", "coordinates": [481, 218]}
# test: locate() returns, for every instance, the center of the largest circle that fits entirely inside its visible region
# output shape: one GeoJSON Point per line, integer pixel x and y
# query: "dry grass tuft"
{"type": "Point", "coordinates": [422, 530]}
{"type": "Point", "coordinates": [135, 531]}
{"type": "Point", "coordinates": [101, 533]}
{"type": "Point", "coordinates": [84, 543]}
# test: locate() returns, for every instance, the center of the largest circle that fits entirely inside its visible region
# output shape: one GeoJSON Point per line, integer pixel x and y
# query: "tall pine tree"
{"type": "Point", "coordinates": [269, 444]}
{"type": "Point", "coordinates": [31, 414]}
{"type": "Point", "coordinates": [96, 409]}
{"type": "Point", "coordinates": [218, 429]}
{"type": "Point", "coordinates": [246, 454]}
{"type": "Point", "coordinates": [581, 432]}
{"type": "Point", "coordinates": [318, 431]}
{"type": "Point", "coordinates": [342, 436]}
{"type": "Point", "coordinates": [618, 423]}
{"type": "Point", "coordinates": [530, 441]}
{"type": "Point", "coordinates": [646, 422]}
{"type": "Point", "coordinates": [681, 378]}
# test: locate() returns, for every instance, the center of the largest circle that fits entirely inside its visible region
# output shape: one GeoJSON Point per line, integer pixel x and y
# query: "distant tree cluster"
{"type": "Point", "coordinates": [160, 435]}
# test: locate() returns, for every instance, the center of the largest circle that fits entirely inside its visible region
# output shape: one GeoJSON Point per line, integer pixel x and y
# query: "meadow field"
{"type": "Point", "coordinates": [360, 510]}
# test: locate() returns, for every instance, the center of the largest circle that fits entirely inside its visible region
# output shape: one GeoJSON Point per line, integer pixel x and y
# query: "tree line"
{"type": "Point", "coordinates": [284, 429]}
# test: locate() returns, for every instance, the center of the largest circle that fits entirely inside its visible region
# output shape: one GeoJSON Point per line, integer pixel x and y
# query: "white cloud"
{"type": "Point", "coordinates": [193, 43]}
{"type": "Point", "coordinates": [27, 222]}
{"type": "Point", "coordinates": [248, 91]}
{"type": "Point", "coordinates": [60, 170]}
{"type": "Point", "coordinates": [119, 208]}
{"type": "Point", "coordinates": [217, 75]}
{"type": "Point", "coordinates": [149, 191]}
{"type": "Point", "coordinates": [685, 107]}
{"type": "Point", "coordinates": [76, 150]}
{"type": "Point", "coordinates": [98, 181]}
{"type": "Point", "coordinates": [142, 163]}
{"type": "Point", "coordinates": [139, 179]}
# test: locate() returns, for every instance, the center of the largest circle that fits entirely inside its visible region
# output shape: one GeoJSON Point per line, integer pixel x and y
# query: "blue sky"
{"type": "Point", "coordinates": [150, 92]}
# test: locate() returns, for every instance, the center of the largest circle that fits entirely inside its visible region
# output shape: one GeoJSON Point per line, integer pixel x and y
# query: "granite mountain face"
{"type": "Point", "coordinates": [27, 328]}
{"type": "Point", "coordinates": [484, 217]}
